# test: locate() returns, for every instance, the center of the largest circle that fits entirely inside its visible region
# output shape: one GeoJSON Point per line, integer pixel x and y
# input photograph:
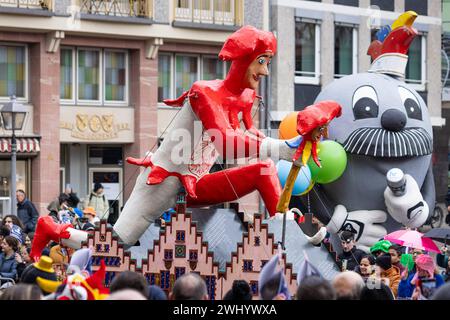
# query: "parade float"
{"type": "Point", "coordinates": [334, 159]}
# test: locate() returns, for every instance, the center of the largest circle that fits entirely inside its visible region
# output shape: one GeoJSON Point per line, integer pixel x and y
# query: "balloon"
{"type": "Point", "coordinates": [333, 159]}
{"type": "Point", "coordinates": [303, 179]}
{"type": "Point", "coordinates": [311, 185]}
{"type": "Point", "coordinates": [288, 126]}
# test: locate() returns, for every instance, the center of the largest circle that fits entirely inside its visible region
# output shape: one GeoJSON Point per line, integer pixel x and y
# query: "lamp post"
{"type": "Point", "coordinates": [13, 116]}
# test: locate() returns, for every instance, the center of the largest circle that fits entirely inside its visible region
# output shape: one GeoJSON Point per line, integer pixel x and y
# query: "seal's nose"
{"type": "Point", "coordinates": [393, 120]}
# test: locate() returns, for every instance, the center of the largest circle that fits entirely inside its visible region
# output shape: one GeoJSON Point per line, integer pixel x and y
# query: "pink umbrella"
{"type": "Point", "coordinates": [412, 239]}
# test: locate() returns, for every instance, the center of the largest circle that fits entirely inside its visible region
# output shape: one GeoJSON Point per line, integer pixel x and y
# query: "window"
{"type": "Point", "coordinates": [165, 280]}
{"type": "Point", "coordinates": [13, 71]}
{"type": "Point", "coordinates": [179, 271]}
{"type": "Point", "coordinates": [177, 72]}
{"type": "Point", "coordinates": [168, 254]}
{"type": "Point", "coordinates": [67, 75]}
{"type": "Point", "coordinates": [101, 76]}
{"type": "Point", "coordinates": [164, 77]}
{"type": "Point", "coordinates": [89, 75]}
{"type": "Point", "coordinates": [257, 241]}
{"type": "Point", "coordinates": [421, 7]}
{"type": "Point", "coordinates": [193, 255]}
{"type": "Point", "coordinates": [248, 265]}
{"type": "Point", "coordinates": [115, 76]}
{"type": "Point", "coordinates": [387, 5]}
{"type": "Point", "coordinates": [186, 72]}
{"type": "Point", "coordinates": [212, 68]}
{"type": "Point", "coordinates": [180, 236]}
{"type": "Point", "coordinates": [354, 3]}
{"type": "Point", "coordinates": [345, 50]}
{"type": "Point", "coordinates": [416, 67]}
{"type": "Point", "coordinates": [254, 287]}
{"type": "Point", "coordinates": [307, 59]}
{"type": "Point", "coordinates": [22, 182]}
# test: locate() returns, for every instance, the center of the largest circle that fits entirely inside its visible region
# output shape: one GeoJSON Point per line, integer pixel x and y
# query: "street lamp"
{"type": "Point", "coordinates": [13, 116]}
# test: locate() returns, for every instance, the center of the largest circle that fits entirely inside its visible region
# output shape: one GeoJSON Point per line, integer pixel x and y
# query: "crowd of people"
{"type": "Point", "coordinates": [388, 272]}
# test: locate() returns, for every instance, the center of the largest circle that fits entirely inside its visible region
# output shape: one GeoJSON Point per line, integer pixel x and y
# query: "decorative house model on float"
{"type": "Point", "coordinates": [181, 248]}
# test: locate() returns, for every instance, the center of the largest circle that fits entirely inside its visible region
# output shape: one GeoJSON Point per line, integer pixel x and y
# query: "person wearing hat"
{"type": "Point", "coordinates": [97, 200]}
{"type": "Point", "coordinates": [425, 269]}
{"type": "Point", "coordinates": [381, 247]}
{"type": "Point", "coordinates": [43, 269]}
{"type": "Point", "coordinates": [386, 270]}
{"type": "Point", "coordinates": [350, 257]}
{"type": "Point", "coordinates": [89, 219]}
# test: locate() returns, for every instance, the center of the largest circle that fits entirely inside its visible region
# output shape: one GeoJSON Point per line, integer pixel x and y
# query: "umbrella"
{"type": "Point", "coordinates": [412, 239]}
{"type": "Point", "coordinates": [439, 234]}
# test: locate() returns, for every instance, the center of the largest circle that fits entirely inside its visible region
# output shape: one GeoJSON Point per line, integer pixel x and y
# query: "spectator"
{"type": "Point", "coordinates": [443, 261]}
{"type": "Point", "coordinates": [129, 280]}
{"type": "Point", "coordinates": [240, 291]}
{"type": "Point", "coordinates": [272, 289]}
{"type": "Point", "coordinates": [91, 215]}
{"type": "Point", "coordinates": [22, 292]}
{"type": "Point", "coordinates": [4, 231]}
{"type": "Point", "coordinates": [381, 247]}
{"type": "Point", "coordinates": [366, 267]}
{"type": "Point", "coordinates": [60, 203]}
{"type": "Point", "coordinates": [12, 220]}
{"type": "Point", "coordinates": [350, 258]}
{"type": "Point", "coordinates": [98, 201]}
{"type": "Point", "coordinates": [387, 271]}
{"type": "Point", "coordinates": [426, 269]}
{"type": "Point", "coordinates": [396, 253]}
{"type": "Point", "coordinates": [8, 263]}
{"type": "Point", "coordinates": [73, 199]}
{"type": "Point", "coordinates": [28, 239]}
{"type": "Point", "coordinates": [348, 285]}
{"type": "Point", "coordinates": [189, 287]}
{"type": "Point", "coordinates": [15, 227]}
{"type": "Point", "coordinates": [23, 259]}
{"type": "Point", "coordinates": [375, 289]}
{"type": "Point", "coordinates": [26, 211]}
{"type": "Point", "coordinates": [315, 288]}
{"type": "Point", "coordinates": [126, 294]}
{"type": "Point", "coordinates": [156, 293]}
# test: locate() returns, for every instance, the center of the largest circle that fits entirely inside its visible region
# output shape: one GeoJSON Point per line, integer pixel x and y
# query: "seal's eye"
{"type": "Point", "coordinates": [365, 103]}
{"type": "Point", "coordinates": [411, 104]}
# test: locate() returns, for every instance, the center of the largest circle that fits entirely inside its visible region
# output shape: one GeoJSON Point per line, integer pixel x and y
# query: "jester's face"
{"type": "Point", "coordinates": [381, 117]}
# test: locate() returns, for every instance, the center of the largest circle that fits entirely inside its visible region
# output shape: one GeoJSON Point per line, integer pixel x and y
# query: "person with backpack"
{"type": "Point", "coordinates": [97, 200]}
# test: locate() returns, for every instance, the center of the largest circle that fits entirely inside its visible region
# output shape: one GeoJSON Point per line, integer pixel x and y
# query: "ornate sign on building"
{"type": "Point", "coordinates": [96, 125]}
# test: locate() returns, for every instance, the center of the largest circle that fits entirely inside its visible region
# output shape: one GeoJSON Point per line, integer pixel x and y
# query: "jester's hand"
{"type": "Point", "coordinates": [290, 215]}
{"type": "Point", "coordinates": [363, 223]}
{"type": "Point", "coordinates": [280, 149]}
{"type": "Point", "coordinates": [409, 209]}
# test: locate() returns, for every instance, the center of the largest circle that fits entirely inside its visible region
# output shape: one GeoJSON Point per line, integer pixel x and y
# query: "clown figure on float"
{"type": "Point", "coordinates": [384, 125]}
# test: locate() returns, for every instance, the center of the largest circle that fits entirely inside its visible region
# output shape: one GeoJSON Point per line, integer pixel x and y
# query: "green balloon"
{"type": "Point", "coordinates": [333, 159]}
{"type": "Point", "coordinates": [313, 168]}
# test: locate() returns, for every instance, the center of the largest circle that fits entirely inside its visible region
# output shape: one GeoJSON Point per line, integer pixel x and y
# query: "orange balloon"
{"type": "Point", "coordinates": [288, 127]}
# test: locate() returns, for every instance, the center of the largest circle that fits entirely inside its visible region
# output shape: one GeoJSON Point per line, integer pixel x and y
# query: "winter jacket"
{"type": "Point", "coordinates": [8, 266]}
{"type": "Point", "coordinates": [27, 213]}
{"type": "Point", "coordinates": [353, 258]}
{"type": "Point", "coordinates": [406, 288]}
{"type": "Point", "coordinates": [393, 274]}
{"type": "Point", "coordinates": [99, 203]}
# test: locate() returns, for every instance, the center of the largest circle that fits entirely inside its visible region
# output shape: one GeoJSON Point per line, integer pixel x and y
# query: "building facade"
{"type": "Point", "coordinates": [93, 74]}
{"type": "Point", "coordinates": [327, 39]}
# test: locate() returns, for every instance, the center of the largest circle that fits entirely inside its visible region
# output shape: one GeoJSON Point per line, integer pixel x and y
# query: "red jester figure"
{"type": "Point", "coordinates": [205, 128]}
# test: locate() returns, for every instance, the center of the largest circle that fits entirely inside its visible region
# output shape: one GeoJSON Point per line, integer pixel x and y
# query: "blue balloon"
{"type": "Point", "coordinates": [303, 179]}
